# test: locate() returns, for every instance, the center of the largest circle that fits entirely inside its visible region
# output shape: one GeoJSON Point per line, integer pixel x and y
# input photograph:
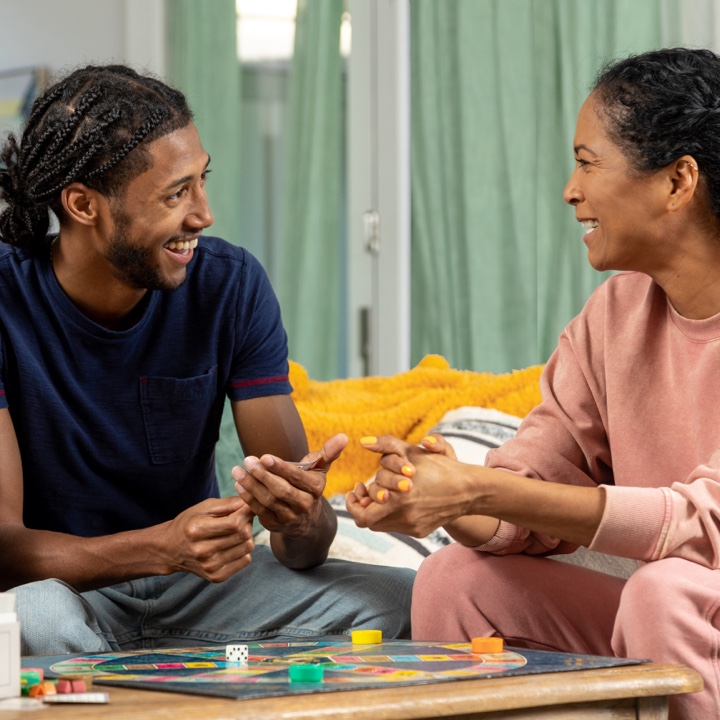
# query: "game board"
{"type": "Point", "coordinates": [204, 671]}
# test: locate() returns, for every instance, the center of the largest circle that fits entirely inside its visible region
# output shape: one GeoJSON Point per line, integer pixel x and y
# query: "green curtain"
{"type": "Point", "coordinates": [203, 63]}
{"type": "Point", "coordinates": [312, 236]}
{"type": "Point", "coordinates": [498, 262]}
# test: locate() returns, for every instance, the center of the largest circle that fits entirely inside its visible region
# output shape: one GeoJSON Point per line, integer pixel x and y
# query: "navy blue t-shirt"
{"type": "Point", "coordinates": [117, 430]}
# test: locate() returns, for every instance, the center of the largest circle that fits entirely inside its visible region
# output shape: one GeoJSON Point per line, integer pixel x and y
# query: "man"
{"type": "Point", "coordinates": [119, 339]}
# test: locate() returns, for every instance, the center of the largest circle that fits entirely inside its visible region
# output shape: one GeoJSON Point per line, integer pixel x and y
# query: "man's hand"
{"type": "Point", "coordinates": [288, 501]}
{"type": "Point", "coordinates": [212, 539]}
{"type": "Point", "coordinates": [285, 498]}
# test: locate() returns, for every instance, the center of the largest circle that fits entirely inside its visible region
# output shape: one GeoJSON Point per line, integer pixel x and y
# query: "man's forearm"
{"type": "Point", "coordinates": [85, 563]}
{"type": "Point", "coordinates": [300, 551]}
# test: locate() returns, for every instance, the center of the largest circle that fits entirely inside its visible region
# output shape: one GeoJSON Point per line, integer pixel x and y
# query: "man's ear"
{"type": "Point", "coordinates": [81, 203]}
{"type": "Point", "coordinates": [684, 177]}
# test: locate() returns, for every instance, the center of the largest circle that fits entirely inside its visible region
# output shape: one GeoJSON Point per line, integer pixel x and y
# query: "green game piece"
{"type": "Point", "coordinates": [31, 677]}
{"type": "Point", "coordinates": [306, 673]}
{"type": "Point", "coordinates": [28, 678]}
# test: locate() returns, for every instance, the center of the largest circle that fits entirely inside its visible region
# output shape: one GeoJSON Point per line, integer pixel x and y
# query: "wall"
{"type": "Point", "coordinates": [64, 33]}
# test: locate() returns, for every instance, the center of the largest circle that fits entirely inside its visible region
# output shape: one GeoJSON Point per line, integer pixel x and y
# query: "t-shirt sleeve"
{"type": "Point", "coordinates": [3, 396]}
{"type": "Point", "coordinates": [260, 365]}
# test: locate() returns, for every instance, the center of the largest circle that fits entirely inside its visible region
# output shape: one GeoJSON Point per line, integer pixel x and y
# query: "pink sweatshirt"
{"type": "Point", "coordinates": [631, 402]}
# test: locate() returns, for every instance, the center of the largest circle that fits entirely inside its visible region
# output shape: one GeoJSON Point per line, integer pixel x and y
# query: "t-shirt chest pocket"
{"type": "Point", "coordinates": [176, 412]}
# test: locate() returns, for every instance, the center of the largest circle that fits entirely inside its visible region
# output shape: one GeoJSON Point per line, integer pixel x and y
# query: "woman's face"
{"type": "Point", "coordinates": [619, 208]}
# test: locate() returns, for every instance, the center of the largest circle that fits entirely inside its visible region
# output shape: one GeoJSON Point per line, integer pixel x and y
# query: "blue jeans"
{"type": "Point", "coordinates": [264, 600]}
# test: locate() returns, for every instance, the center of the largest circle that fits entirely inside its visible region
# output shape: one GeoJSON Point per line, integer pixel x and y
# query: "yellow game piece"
{"type": "Point", "coordinates": [482, 645]}
{"type": "Point", "coordinates": [366, 637]}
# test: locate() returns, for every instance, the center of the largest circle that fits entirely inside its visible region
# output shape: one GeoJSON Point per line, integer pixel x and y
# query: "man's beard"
{"type": "Point", "coordinates": [133, 263]}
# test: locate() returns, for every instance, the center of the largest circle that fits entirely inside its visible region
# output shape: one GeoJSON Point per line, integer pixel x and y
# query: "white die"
{"type": "Point", "coordinates": [236, 654]}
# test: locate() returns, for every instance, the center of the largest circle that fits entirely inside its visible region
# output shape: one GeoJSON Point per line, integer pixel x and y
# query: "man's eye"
{"type": "Point", "coordinates": [177, 195]}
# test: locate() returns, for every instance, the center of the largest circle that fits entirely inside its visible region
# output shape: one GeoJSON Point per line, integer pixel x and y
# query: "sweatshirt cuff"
{"type": "Point", "coordinates": [633, 523]}
{"type": "Point", "coordinates": [503, 540]}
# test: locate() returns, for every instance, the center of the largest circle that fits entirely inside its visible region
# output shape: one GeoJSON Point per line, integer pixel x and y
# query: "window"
{"type": "Point", "coordinates": [265, 30]}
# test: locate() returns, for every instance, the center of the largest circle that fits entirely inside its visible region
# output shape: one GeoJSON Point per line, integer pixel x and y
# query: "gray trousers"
{"type": "Point", "coordinates": [264, 600]}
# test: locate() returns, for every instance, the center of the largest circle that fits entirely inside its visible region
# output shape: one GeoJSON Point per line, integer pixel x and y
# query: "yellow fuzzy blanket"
{"type": "Point", "coordinates": [406, 405]}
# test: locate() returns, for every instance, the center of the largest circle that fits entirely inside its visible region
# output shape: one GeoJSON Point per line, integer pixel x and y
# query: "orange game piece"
{"type": "Point", "coordinates": [482, 645]}
{"type": "Point", "coordinates": [42, 689]}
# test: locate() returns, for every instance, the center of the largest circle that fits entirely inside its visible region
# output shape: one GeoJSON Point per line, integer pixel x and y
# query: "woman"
{"type": "Point", "coordinates": [628, 432]}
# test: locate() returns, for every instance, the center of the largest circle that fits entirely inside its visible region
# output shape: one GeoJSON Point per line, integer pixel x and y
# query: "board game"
{"type": "Point", "coordinates": [205, 671]}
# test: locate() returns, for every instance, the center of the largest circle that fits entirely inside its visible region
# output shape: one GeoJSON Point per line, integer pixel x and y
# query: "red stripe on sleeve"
{"type": "Point", "coordinates": [258, 381]}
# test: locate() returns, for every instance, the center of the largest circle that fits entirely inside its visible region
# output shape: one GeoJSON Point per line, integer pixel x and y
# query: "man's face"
{"type": "Point", "coordinates": [157, 221]}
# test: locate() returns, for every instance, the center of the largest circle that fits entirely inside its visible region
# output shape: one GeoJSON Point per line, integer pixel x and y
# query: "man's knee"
{"type": "Point", "coordinates": [55, 619]}
{"type": "Point", "coordinates": [389, 594]}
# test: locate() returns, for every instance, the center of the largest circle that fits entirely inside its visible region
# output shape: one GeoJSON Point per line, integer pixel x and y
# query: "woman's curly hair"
{"type": "Point", "coordinates": [661, 105]}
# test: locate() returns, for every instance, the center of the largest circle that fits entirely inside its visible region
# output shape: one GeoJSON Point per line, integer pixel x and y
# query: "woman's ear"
{"type": "Point", "coordinates": [684, 178]}
{"type": "Point", "coordinates": [80, 203]}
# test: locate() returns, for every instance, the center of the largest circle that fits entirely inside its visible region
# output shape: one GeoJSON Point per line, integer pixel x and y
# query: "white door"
{"type": "Point", "coordinates": [378, 146]}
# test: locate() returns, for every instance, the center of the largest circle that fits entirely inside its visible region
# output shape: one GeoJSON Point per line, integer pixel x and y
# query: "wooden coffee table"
{"type": "Point", "coordinates": [633, 692]}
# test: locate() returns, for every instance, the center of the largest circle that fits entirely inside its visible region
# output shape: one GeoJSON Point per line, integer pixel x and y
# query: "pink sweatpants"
{"type": "Point", "coordinates": [667, 611]}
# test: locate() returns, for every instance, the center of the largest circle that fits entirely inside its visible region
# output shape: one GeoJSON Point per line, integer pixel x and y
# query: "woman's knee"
{"type": "Point", "coordinates": [444, 573]}
{"type": "Point", "coordinates": [664, 602]}
{"type": "Point", "coordinates": [651, 594]}
{"type": "Point", "coordinates": [447, 591]}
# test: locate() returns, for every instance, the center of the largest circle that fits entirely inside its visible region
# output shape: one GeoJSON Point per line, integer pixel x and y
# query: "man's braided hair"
{"type": "Point", "coordinates": [92, 127]}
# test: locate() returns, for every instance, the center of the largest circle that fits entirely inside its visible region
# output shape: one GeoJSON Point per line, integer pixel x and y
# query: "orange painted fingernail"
{"type": "Point", "coordinates": [381, 494]}
{"type": "Point", "coordinates": [404, 486]}
{"type": "Point", "coordinates": [369, 440]}
{"type": "Point", "coordinates": [430, 439]}
{"type": "Point", "coordinates": [407, 470]}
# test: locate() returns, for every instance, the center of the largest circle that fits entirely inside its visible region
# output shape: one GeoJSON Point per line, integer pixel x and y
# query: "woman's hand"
{"type": "Point", "coordinates": [415, 490]}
